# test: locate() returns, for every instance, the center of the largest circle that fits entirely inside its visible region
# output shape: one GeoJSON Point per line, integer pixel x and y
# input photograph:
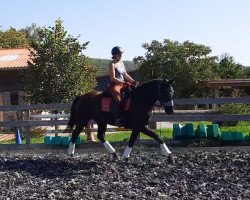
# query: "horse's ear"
{"type": "Point", "coordinates": [171, 81]}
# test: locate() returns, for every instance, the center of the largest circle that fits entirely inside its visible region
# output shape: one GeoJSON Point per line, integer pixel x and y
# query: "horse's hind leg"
{"type": "Point", "coordinates": [101, 136]}
{"type": "Point", "coordinates": [164, 149]}
{"type": "Point", "coordinates": [75, 134]}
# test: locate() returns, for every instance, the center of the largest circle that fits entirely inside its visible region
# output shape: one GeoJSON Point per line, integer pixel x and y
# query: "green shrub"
{"type": "Point", "coordinates": [233, 109]}
{"type": "Point", "coordinates": [37, 132]}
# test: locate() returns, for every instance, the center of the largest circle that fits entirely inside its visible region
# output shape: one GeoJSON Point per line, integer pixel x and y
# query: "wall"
{"type": "Point", "coordinates": [11, 80]}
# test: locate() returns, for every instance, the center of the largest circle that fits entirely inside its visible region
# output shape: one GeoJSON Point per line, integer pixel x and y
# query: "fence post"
{"type": "Point", "coordinates": [27, 135]}
{"type": "Point", "coordinates": [216, 95]}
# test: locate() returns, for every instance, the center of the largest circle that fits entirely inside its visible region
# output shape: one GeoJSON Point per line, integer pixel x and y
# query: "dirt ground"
{"type": "Point", "coordinates": [197, 174]}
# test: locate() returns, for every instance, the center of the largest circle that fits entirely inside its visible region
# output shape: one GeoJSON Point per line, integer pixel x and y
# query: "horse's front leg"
{"type": "Point", "coordinates": [164, 149]}
{"type": "Point", "coordinates": [133, 137]}
{"type": "Point", "coordinates": [101, 136]}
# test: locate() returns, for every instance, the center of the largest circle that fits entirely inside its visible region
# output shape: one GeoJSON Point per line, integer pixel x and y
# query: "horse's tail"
{"type": "Point", "coordinates": [72, 114]}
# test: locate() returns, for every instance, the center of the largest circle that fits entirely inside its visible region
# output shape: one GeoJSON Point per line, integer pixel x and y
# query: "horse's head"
{"type": "Point", "coordinates": [165, 96]}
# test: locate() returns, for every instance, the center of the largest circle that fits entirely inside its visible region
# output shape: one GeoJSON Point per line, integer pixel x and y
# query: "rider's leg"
{"type": "Point", "coordinates": [89, 132]}
{"type": "Point", "coordinates": [164, 149]}
{"type": "Point", "coordinates": [75, 134]}
{"type": "Point", "coordinates": [134, 135]}
{"type": "Point", "coordinates": [101, 136]}
{"type": "Point", "coordinates": [116, 93]}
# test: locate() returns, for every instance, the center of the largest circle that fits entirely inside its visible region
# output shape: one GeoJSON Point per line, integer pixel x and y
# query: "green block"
{"type": "Point", "coordinates": [47, 139]}
{"type": "Point", "coordinates": [247, 137]}
{"type": "Point", "coordinates": [66, 140]}
{"type": "Point", "coordinates": [226, 136]}
{"type": "Point", "coordinates": [232, 136]}
{"type": "Point", "coordinates": [177, 131]}
{"type": "Point", "coordinates": [237, 136]}
{"type": "Point", "coordinates": [213, 130]}
{"type": "Point", "coordinates": [78, 141]}
{"type": "Point", "coordinates": [56, 140]}
{"type": "Point", "coordinates": [188, 130]}
{"type": "Point", "coordinates": [201, 131]}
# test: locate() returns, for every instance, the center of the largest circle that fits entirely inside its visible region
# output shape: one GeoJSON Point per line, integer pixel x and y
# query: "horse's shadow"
{"type": "Point", "coordinates": [50, 168]}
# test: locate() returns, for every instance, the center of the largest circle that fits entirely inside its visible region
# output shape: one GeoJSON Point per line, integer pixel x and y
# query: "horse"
{"type": "Point", "coordinates": [142, 99]}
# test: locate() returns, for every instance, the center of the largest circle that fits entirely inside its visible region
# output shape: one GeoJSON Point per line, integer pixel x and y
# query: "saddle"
{"type": "Point", "coordinates": [109, 104]}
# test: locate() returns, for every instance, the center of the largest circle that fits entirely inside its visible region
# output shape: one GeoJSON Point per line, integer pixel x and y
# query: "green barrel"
{"type": "Point", "coordinates": [56, 140]}
{"type": "Point", "coordinates": [201, 131]}
{"type": "Point", "coordinates": [188, 130]}
{"type": "Point", "coordinates": [213, 131]}
{"type": "Point", "coordinates": [47, 139]}
{"type": "Point", "coordinates": [177, 131]}
{"type": "Point", "coordinates": [66, 140]}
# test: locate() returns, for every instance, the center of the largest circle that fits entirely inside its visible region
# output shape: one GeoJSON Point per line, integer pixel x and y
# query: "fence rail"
{"type": "Point", "coordinates": [190, 115]}
{"type": "Point", "coordinates": [182, 101]}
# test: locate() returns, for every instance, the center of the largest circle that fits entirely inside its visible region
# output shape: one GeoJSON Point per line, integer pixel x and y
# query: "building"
{"type": "Point", "coordinates": [13, 63]}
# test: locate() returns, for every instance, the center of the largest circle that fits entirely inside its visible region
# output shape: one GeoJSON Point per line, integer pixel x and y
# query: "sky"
{"type": "Point", "coordinates": [223, 25]}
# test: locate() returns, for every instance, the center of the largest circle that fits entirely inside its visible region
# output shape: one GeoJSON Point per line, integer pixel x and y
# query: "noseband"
{"type": "Point", "coordinates": [158, 103]}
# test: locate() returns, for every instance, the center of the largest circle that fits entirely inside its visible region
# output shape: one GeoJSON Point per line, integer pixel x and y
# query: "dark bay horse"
{"type": "Point", "coordinates": [142, 100]}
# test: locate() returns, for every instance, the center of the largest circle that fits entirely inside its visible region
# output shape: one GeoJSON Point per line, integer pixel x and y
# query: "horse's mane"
{"type": "Point", "coordinates": [147, 87]}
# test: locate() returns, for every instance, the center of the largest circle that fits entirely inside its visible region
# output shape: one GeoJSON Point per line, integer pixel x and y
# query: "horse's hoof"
{"type": "Point", "coordinates": [171, 159]}
{"type": "Point", "coordinates": [126, 160]}
{"type": "Point", "coordinates": [115, 156]}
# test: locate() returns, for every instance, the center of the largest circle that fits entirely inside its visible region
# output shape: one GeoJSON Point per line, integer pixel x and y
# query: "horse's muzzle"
{"type": "Point", "coordinates": [169, 110]}
{"type": "Point", "coordinates": [168, 107]}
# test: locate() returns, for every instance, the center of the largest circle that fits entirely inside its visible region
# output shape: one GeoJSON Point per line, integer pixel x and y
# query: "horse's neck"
{"type": "Point", "coordinates": [148, 95]}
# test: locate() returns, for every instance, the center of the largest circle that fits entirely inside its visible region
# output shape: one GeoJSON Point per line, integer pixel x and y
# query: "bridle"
{"type": "Point", "coordinates": [158, 103]}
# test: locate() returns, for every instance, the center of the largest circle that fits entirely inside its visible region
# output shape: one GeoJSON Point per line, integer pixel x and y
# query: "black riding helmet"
{"type": "Point", "coordinates": [116, 50]}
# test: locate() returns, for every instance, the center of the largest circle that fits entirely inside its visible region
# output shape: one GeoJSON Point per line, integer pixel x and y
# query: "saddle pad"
{"type": "Point", "coordinates": [106, 101]}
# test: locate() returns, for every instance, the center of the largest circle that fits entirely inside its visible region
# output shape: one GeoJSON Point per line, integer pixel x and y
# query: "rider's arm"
{"type": "Point", "coordinates": [128, 78]}
{"type": "Point", "coordinates": [112, 74]}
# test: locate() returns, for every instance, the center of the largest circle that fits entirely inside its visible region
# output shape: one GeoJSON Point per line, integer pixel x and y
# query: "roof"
{"type": "Point", "coordinates": [14, 58]}
{"type": "Point", "coordinates": [238, 83]}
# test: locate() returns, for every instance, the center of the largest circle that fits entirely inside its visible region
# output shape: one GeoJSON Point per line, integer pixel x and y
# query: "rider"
{"type": "Point", "coordinates": [118, 77]}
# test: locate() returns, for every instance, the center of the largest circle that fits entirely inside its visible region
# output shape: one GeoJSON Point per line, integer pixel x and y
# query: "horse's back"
{"type": "Point", "coordinates": [86, 106]}
{"type": "Point", "coordinates": [91, 94]}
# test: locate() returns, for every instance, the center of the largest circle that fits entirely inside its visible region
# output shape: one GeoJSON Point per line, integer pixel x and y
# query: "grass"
{"type": "Point", "coordinates": [165, 133]}
{"type": "Point", "coordinates": [243, 127]}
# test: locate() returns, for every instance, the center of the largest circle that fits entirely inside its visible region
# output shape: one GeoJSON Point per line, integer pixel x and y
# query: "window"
{"type": "Point", "coordinates": [14, 98]}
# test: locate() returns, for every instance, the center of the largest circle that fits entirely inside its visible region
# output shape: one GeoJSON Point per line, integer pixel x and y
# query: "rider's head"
{"type": "Point", "coordinates": [116, 52]}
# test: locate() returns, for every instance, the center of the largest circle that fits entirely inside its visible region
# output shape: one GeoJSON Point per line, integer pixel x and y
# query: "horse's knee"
{"type": "Point", "coordinates": [160, 140]}
{"type": "Point", "coordinates": [101, 137]}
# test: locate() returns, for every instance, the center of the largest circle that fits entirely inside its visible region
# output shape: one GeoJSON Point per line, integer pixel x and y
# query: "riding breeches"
{"type": "Point", "coordinates": [115, 90]}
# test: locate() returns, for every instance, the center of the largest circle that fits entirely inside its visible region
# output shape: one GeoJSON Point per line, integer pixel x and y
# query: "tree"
{"type": "Point", "coordinates": [31, 33]}
{"type": "Point", "coordinates": [13, 39]}
{"type": "Point", "coordinates": [188, 63]}
{"type": "Point", "coordinates": [58, 71]}
{"type": "Point", "coordinates": [247, 71]}
{"type": "Point", "coordinates": [229, 69]}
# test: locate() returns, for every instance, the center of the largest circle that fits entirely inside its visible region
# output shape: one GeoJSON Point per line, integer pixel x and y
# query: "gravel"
{"type": "Point", "coordinates": [147, 175]}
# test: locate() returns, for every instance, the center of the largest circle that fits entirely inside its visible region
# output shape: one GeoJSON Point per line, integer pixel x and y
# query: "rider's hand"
{"type": "Point", "coordinates": [136, 83]}
{"type": "Point", "coordinates": [128, 84]}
